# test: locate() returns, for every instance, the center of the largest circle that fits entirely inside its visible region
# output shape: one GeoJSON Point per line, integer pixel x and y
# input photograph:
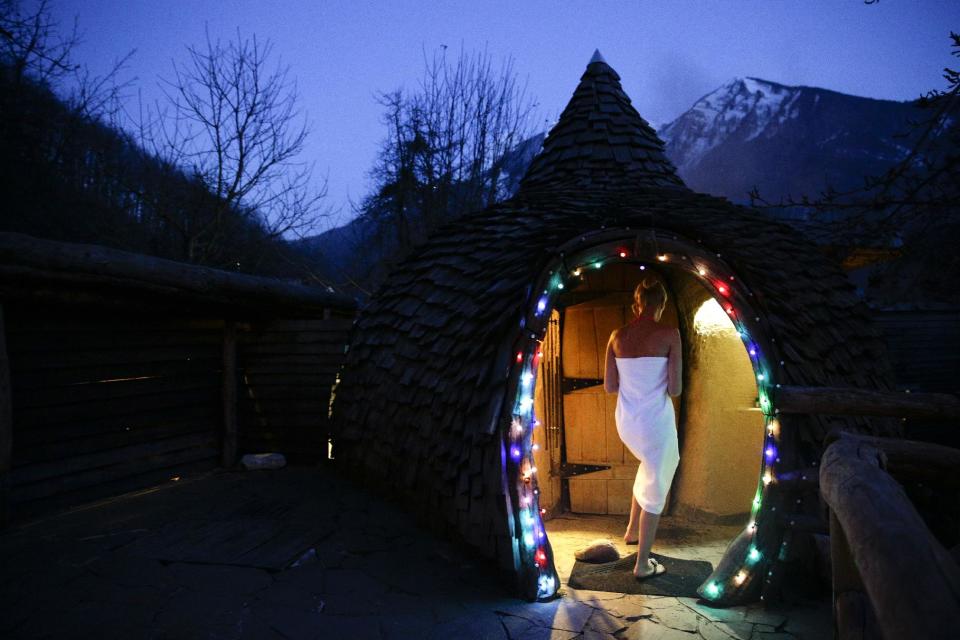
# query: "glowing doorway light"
{"type": "Point", "coordinates": [710, 319]}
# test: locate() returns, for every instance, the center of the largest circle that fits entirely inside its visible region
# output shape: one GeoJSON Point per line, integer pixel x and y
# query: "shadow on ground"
{"type": "Point", "coordinates": [301, 553]}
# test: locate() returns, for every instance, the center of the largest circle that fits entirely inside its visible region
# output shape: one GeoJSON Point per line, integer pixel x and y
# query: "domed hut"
{"type": "Point", "coordinates": [448, 397]}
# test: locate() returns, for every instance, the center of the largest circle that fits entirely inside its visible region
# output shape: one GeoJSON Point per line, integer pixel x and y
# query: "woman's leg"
{"type": "Point", "coordinates": [633, 524]}
{"type": "Point", "coordinates": [648, 531]}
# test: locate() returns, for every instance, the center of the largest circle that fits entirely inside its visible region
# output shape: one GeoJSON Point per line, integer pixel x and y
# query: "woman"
{"type": "Point", "coordinates": [643, 367]}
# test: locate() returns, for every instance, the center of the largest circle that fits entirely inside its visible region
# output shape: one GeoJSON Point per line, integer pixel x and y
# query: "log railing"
{"type": "Point", "coordinates": [867, 402]}
{"type": "Point", "coordinates": [891, 577]}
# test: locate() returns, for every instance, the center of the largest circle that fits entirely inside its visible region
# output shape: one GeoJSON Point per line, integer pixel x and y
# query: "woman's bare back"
{"type": "Point", "coordinates": [644, 338]}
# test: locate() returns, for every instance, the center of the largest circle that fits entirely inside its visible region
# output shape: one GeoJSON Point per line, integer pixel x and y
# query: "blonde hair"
{"type": "Point", "coordinates": [649, 293]}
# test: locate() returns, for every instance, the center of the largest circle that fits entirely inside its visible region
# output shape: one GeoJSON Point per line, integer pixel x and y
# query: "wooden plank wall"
{"type": "Point", "coordinates": [924, 348]}
{"type": "Point", "coordinates": [287, 368]}
{"type": "Point", "coordinates": [104, 403]}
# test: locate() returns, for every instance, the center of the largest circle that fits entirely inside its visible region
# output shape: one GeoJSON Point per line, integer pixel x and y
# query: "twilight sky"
{"type": "Point", "coordinates": [668, 53]}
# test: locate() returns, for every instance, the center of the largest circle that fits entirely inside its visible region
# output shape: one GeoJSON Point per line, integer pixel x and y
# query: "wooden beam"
{"type": "Point", "coordinates": [867, 402]}
{"type": "Point", "coordinates": [913, 460]}
{"type": "Point", "coordinates": [912, 582]}
{"type": "Point", "coordinates": [230, 381]}
{"type": "Point", "coordinates": [28, 264]}
{"type": "Point", "coordinates": [6, 426]}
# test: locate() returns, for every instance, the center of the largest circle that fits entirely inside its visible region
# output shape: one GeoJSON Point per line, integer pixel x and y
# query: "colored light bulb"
{"type": "Point", "coordinates": [527, 379]}
{"type": "Point", "coordinates": [712, 590]}
{"type": "Point", "coordinates": [739, 578]}
{"type": "Point", "coordinates": [546, 586]}
{"type": "Point", "coordinates": [767, 478]}
{"type": "Point", "coordinates": [702, 271]}
{"type": "Point", "coordinates": [770, 453]}
{"type": "Point", "coordinates": [753, 555]}
{"type": "Point", "coordinates": [541, 305]}
{"type": "Point", "coordinates": [515, 453]}
{"type": "Point", "coordinates": [662, 257]}
{"type": "Point", "coordinates": [623, 254]}
{"type": "Point", "coordinates": [519, 356]}
{"type": "Point", "coordinates": [528, 539]}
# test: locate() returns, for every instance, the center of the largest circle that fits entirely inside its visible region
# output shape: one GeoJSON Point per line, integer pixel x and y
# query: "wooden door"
{"type": "Point", "coordinates": [590, 430]}
{"type": "Point", "coordinates": [548, 407]}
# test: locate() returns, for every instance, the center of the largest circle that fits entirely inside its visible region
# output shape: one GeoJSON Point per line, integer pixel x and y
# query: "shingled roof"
{"type": "Point", "coordinates": [424, 398]}
{"type": "Point", "coordinates": [600, 141]}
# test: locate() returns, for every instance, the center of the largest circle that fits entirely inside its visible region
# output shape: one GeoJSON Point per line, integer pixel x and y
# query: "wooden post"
{"type": "Point", "coordinates": [229, 449]}
{"type": "Point", "coordinates": [6, 426]}
{"type": "Point", "coordinates": [912, 582]}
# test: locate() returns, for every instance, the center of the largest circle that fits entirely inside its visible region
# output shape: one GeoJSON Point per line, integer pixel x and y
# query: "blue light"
{"type": "Point", "coordinates": [546, 586]}
{"type": "Point", "coordinates": [770, 453]}
{"type": "Point", "coordinates": [515, 453]}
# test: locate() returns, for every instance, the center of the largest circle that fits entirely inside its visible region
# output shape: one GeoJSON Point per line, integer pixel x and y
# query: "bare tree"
{"type": "Point", "coordinates": [231, 120]}
{"type": "Point", "coordinates": [446, 143]}
{"type": "Point", "coordinates": [32, 42]}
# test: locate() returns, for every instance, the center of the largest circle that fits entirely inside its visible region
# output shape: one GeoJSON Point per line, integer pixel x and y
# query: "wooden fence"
{"type": "Point", "coordinates": [120, 371]}
{"type": "Point", "coordinates": [891, 577]}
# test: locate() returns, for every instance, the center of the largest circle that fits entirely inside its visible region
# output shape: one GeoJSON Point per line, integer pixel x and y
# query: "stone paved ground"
{"type": "Point", "coordinates": [126, 569]}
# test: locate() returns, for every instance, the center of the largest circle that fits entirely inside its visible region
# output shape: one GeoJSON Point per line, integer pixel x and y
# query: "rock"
{"type": "Point", "coordinates": [254, 461]}
{"type": "Point", "coordinates": [599, 550]}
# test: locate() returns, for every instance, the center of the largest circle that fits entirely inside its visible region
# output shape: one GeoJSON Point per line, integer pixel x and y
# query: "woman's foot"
{"type": "Point", "coordinates": [630, 537]}
{"type": "Point", "coordinates": [654, 568]}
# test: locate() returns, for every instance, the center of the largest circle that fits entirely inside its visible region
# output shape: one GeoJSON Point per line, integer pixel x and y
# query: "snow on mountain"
{"type": "Point", "coordinates": [744, 107]}
{"type": "Point", "coordinates": [784, 140]}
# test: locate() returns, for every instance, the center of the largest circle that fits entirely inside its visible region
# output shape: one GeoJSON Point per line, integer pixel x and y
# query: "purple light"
{"type": "Point", "coordinates": [770, 452]}
{"type": "Point", "coordinates": [515, 453]}
{"type": "Point", "coordinates": [541, 305]}
{"type": "Point", "coordinates": [753, 350]}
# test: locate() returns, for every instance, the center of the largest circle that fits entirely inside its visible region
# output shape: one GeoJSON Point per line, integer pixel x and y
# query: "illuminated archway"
{"type": "Point", "coordinates": [747, 560]}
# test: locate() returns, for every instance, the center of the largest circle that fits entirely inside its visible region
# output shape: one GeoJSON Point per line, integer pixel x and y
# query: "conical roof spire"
{"type": "Point", "coordinates": [600, 141]}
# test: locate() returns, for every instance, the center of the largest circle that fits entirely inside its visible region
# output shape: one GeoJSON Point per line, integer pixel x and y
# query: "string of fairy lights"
{"type": "Point", "coordinates": [750, 559]}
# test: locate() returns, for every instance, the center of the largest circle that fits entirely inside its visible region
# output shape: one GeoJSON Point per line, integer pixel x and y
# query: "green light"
{"type": "Point", "coordinates": [765, 405]}
{"type": "Point", "coordinates": [753, 555]}
{"type": "Point", "coordinates": [598, 265]}
{"type": "Point", "coordinates": [756, 502]}
{"type": "Point", "coordinates": [713, 590]}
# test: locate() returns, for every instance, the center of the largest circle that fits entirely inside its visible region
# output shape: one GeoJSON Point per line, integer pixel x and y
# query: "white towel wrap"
{"type": "Point", "coordinates": [647, 426]}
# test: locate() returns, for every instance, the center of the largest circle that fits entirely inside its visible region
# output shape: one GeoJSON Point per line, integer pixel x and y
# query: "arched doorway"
{"type": "Point", "coordinates": [725, 415]}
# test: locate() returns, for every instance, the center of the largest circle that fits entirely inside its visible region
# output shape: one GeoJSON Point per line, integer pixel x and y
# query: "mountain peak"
{"type": "Point", "coordinates": [742, 107]}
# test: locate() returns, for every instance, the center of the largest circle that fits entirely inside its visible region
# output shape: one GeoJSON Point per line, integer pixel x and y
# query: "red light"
{"type": "Point", "coordinates": [541, 557]}
{"type": "Point", "coordinates": [729, 309]}
{"type": "Point", "coordinates": [519, 356]}
{"type": "Point", "coordinates": [543, 512]}
{"type": "Point", "coordinates": [623, 253]}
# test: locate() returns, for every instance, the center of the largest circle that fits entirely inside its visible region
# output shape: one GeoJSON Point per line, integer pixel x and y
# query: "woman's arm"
{"type": "Point", "coordinates": [675, 365]}
{"type": "Point", "coordinates": [611, 377]}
